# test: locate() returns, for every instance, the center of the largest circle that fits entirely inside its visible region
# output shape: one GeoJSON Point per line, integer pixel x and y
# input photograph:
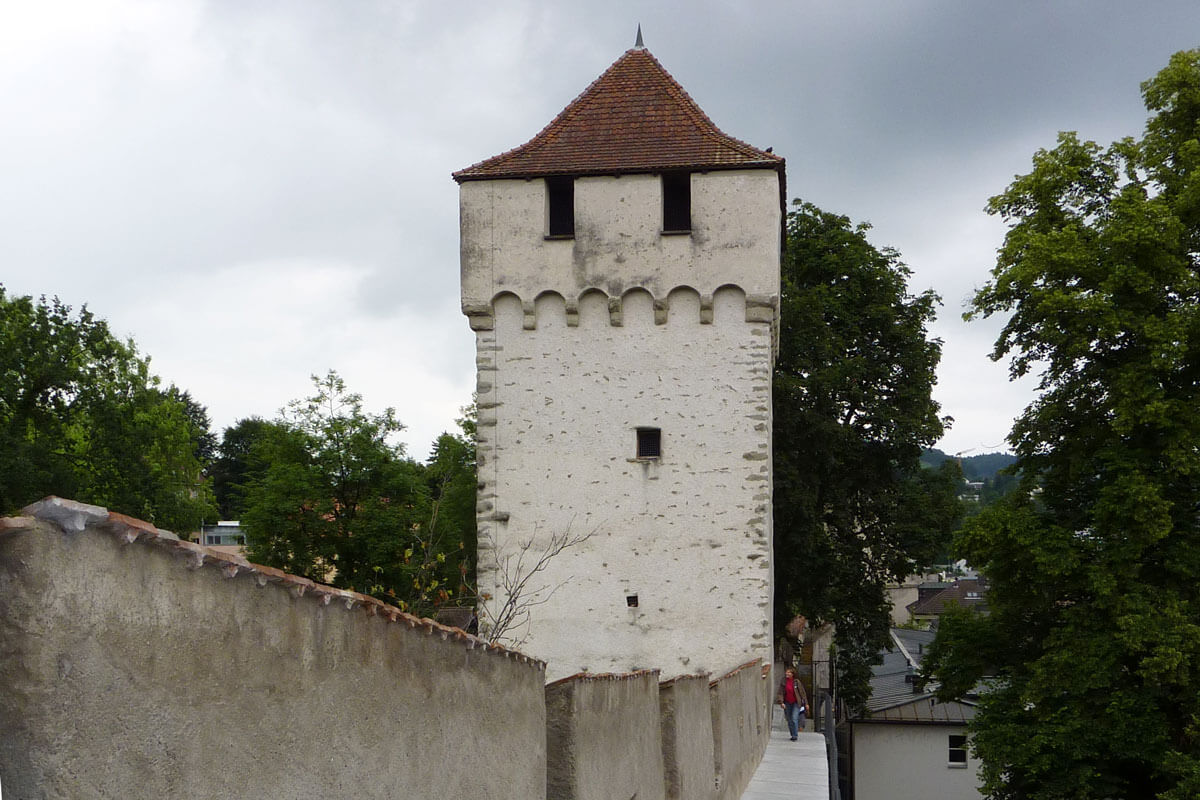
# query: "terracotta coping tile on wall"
{"type": "Point", "coordinates": [120, 520]}
{"type": "Point", "coordinates": [699, 676]}
{"type": "Point", "coordinates": [587, 677]}
{"type": "Point", "coordinates": [16, 523]}
{"type": "Point", "coordinates": [736, 670]}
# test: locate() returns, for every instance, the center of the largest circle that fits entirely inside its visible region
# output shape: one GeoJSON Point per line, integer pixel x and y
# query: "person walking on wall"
{"type": "Point", "coordinates": [793, 700]}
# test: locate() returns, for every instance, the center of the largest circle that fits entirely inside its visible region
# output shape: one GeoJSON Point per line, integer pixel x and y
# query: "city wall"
{"type": "Point", "coordinates": [741, 706]}
{"type": "Point", "coordinates": [685, 708]}
{"type": "Point", "coordinates": [596, 722]}
{"type": "Point", "coordinates": [135, 665]}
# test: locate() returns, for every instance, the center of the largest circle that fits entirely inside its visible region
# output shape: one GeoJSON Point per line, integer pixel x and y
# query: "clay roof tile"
{"type": "Point", "coordinates": [634, 118]}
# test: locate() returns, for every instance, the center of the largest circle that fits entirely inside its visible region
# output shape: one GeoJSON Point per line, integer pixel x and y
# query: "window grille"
{"type": "Point", "coordinates": [649, 443]}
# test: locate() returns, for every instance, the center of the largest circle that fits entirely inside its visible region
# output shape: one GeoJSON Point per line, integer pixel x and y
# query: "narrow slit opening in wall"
{"type": "Point", "coordinates": [560, 206]}
{"type": "Point", "coordinates": [649, 442]}
{"type": "Point", "coordinates": [631, 600]}
{"type": "Point", "coordinates": [677, 202]}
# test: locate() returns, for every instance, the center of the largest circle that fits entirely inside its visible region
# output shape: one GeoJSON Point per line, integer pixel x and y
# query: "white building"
{"type": "Point", "coordinates": [906, 745]}
{"type": "Point", "coordinates": [621, 272]}
{"type": "Point", "coordinates": [226, 536]}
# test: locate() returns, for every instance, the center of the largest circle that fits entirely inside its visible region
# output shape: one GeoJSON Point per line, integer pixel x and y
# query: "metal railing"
{"type": "Point", "coordinates": [824, 719]}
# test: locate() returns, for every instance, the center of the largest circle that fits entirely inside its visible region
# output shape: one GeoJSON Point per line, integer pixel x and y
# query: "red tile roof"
{"type": "Point", "coordinates": [633, 118]}
{"type": "Point", "coordinates": [969, 592]}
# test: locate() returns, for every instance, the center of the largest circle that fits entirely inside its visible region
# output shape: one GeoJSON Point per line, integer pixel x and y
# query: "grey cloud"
{"type": "Point", "coordinates": [167, 157]}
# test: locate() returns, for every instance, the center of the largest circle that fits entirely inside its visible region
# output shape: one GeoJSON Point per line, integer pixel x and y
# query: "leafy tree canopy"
{"type": "Point", "coordinates": [326, 492]}
{"type": "Point", "coordinates": [450, 476]}
{"type": "Point", "coordinates": [1092, 645]}
{"type": "Point", "coordinates": [854, 509]}
{"type": "Point", "coordinates": [230, 471]}
{"type": "Point", "coordinates": [81, 416]}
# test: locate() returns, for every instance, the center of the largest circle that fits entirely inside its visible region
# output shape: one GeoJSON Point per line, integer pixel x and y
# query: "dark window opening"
{"type": "Point", "coordinates": [958, 749]}
{"type": "Point", "coordinates": [560, 201]}
{"type": "Point", "coordinates": [677, 202]}
{"type": "Point", "coordinates": [649, 442]}
{"type": "Point", "coordinates": [631, 600]}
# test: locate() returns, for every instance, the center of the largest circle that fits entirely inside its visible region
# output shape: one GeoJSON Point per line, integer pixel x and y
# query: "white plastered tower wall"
{"type": "Point", "coordinates": [579, 343]}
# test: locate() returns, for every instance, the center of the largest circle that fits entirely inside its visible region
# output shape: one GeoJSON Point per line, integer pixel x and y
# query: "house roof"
{"type": "Point", "coordinates": [896, 696]}
{"type": "Point", "coordinates": [969, 592]}
{"type": "Point", "coordinates": [892, 680]}
{"type": "Point", "coordinates": [634, 118]}
{"type": "Point", "coordinates": [924, 708]}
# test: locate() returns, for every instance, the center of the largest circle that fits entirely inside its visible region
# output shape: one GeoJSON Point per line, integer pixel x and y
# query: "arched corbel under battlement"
{"type": "Point", "coordinates": [683, 304]}
{"type": "Point", "coordinates": [507, 312]}
{"type": "Point", "coordinates": [593, 309]}
{"type": "Point", "coordinates": [638, 308]}
{"type": "Point", "coordinates": [550, 311]}
{"type": "Point", "coordinates": [728, 304]}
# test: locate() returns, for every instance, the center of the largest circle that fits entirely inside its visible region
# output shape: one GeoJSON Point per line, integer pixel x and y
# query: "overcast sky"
{"type": "Point", "coordinates": [257, 190]}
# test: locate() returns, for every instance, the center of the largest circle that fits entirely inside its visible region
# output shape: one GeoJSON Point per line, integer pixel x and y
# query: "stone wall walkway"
{"type": "Point", "coordinates": [792, 770]}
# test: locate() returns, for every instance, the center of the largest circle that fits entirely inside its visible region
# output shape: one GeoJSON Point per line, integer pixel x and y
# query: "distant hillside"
{"type": "Point", "coordinates": [980, 467]}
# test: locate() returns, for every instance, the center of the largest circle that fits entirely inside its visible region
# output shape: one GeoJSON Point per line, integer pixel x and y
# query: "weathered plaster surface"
{"type": "Point", "coordinates": [603, 738]}
{"type": "Point", "coordinates": [581, 342]}
{"type": "Point", "coordinates": [618, 244]}
{"type": "Point", "coordinates": [910, 762]}
{"type": "Point", "coordinates": [689, 769]}
{"type": "Point", "coordinates": [133, 665]}
{"type": "Point", "coordinates": [741, 725]}
{"type": "Point", "coordinates": [688, 533]}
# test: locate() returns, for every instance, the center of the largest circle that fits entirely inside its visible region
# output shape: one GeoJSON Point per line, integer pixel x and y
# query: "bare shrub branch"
{"type": "Point", "coordinates": [515, 578]}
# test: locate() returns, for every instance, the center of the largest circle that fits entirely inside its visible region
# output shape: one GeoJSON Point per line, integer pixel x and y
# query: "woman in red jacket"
{"type": "Point", "coordinates": [794, 701]}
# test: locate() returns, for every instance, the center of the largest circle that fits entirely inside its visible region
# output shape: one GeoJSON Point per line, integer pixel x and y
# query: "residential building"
{"type": "Point", "coordinates": [935, 598]}
{"type": "Point", "coordinates": [906, 744]}
{"type": "Point", "coordinates": [226, 536]}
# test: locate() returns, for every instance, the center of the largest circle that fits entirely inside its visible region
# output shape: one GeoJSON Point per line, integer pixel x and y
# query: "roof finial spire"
{"type": "Point", "coordinates": [638, 45]}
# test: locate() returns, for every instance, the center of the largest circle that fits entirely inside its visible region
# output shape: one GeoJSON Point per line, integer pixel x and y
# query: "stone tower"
{"type": "Point", "coordinates": [621, 273]}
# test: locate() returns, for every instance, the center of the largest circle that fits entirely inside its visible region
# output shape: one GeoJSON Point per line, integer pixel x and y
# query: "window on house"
{"type": "Point", "coordinates": [560, 206]}
{"type": "Point", "coordinates": [649, 442]}
{"type": "Point", "coordinates": [677, 202]}
{"type": "Point", "coordinates": [958, 751]}
{"type": "Point", "coordinates": [631, 600]}
{"type": "Point", "coordinates": [224, 539]}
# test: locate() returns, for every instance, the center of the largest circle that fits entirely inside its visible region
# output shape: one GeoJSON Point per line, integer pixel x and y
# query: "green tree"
{"type": "Point", "coordinates": [230, 472]}
{"type": "Point", "coordinates": [854, 509]}
{"type": "Point", "coordinates": [81, 416]}
{"type": "Point", "coordinates": [137, 446]}
{"type": "Point", "coordinates": [332, 496]}
{"type": "Point", "coordinates": [1092, 646]}
{"type": "Point", "coordinates": [450, 476]}
{"type": "Point", "coordinates": [205, 446]}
